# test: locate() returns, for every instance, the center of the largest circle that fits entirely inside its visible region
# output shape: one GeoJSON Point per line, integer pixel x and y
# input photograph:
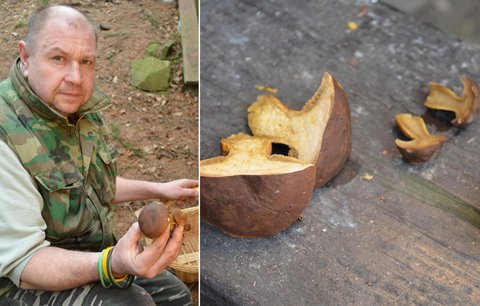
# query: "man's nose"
{"type": "Point", "coordinates": [73, 74]}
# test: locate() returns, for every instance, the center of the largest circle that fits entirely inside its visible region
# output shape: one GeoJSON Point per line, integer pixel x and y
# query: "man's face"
{"type": "Point", "coordinates": [60, 68]}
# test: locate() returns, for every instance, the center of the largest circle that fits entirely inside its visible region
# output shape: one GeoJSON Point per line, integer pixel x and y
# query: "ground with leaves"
{"type": "Point", "coordinates": [155, 132]}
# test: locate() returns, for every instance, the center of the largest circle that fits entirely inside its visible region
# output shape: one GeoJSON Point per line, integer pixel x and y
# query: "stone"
{"type": "Point", "coordinates": [160, 51]}
{"type": "Point", "coordinates": [152, 50]}
{"type": "Point", "coordinates": [105, 27]}
{"type": "Point", "coordinates": [150, 74]}
{"type": "Point", "coordinates": [166, 48]}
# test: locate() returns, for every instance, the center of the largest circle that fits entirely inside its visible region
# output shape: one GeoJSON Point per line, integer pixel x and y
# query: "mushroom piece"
{"type": "Point", "coordinates": [320, 133]}
{"type": "Point", "coordinates": [179, 218]}
{"type": "Point", "coordinates": [250, 193]}
{"type": "Point", "coordinates": [466, 107]}
{"type": "Point", "coordinates": [424, 146]}
{"type": "Point", "coordinates": [154, 219]}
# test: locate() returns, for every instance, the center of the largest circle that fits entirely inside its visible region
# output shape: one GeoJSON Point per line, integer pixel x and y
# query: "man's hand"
{"type": "Point", "coordinates": [129, 255]}
{"type": "Point", "coordinates": [178, 189]}
{"type": "Point", "coordinates": [56, 269]}
{"type": "Point", "coordinates": [133, 190]}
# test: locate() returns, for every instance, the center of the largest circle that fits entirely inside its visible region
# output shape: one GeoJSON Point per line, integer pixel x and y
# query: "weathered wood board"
{"type": "Point", "coordinates": [189, 33]}
{"type": "Point", "coordinates": [411, 235]}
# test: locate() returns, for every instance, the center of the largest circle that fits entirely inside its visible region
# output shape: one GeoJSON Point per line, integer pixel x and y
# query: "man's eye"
{"type": "Point", "coordinates": [86, 62]}
{"type": "Point", "coordinates": [58, 58]}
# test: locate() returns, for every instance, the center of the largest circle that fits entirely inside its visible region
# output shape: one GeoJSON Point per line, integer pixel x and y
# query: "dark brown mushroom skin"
{"type": "Point", "coordinates": [251, 206]}
{"type": "Point", "coordinates": [154, 220]}
{"type": "Point", "coordinates": [419, 156]}
{"type": "Point", "coordinates": [337, 139]}
{"type": "Point", "coordinates": [423, 146]}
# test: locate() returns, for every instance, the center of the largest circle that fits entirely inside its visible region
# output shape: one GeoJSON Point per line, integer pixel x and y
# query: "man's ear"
{"type": "Point", "coordinates": [24, 56]}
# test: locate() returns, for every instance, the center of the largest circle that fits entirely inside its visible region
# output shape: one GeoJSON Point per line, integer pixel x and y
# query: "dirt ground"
{"type": "Point", "coordinates": [156, 133]}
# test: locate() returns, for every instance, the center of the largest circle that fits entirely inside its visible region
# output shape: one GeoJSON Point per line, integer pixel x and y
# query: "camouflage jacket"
{"type": "Point", "coordinates": [73, 164]}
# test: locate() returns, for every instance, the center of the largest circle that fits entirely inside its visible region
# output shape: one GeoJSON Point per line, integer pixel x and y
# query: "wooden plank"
{"type": "Point", "coordinates": [409, 236]}
{"type": "Point", "coordinates": [189, 34]}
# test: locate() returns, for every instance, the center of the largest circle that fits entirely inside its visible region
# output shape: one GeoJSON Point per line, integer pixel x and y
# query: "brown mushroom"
{"type": "Point", "coordinates": [424, 146]}
{"type": "Point", "coordinates": [249, 192]}
{"type": "Point", "coordinates": [319, 134]}
{"type": "Point", "coordinates": [179, 217]}
{"type": "Point", "coordinates": [466, 107]}
{"type": "Point", "coordinates": [154, 220]}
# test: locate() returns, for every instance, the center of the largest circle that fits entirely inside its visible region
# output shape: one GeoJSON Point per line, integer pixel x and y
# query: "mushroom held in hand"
{"type": "Point", "coordinates": [466, 107]}
{"type": "Point", "coordinates": [180, 218]}
{"type": "Point", "coordinates": [251, 193]}
{"type": "Point", "coordinates": [155, 219]}
{"type": "Point", "coordinates": [424, 146]}
{"type": "Point", "coordinates": [319, 134]}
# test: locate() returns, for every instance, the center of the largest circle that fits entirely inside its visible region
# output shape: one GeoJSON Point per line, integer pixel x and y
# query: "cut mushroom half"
{"type": "Point", "coordinates": [250, 193]}
{"type": "Point", "coordinates": [466, 107]}
{"type": "Point", "coordinates": [320, 133]}
{"type": "Point", "coordinates": [423, 146]}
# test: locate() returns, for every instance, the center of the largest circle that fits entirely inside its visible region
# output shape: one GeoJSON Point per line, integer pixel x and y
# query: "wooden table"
{"type": "Point", "coordinates": [408, 236]}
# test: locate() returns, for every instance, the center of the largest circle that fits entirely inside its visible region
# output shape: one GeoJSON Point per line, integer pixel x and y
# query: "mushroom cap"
{"type": "Point", "coordinates": [154, 220]}
{"type": "Point", "coordinates": [320, 133]}
{"type": "Point", "coordinates": [249, 193]}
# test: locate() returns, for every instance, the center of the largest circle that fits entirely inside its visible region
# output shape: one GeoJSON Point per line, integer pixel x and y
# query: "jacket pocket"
{"type": "Point", "coordinates": [65, 210]}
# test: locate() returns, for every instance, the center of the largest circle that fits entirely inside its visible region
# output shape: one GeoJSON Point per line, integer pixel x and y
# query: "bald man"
{"type": "Point", "coordinates": [58, 182]}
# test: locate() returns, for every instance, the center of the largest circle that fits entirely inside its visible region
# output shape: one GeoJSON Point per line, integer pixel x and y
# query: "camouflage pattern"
{"type": "Point", "coordinates": [165, 289]}
{"type": "Point", "coordinates": [71, 161]}
{"type": "Point", "coordinates": [73, 164]}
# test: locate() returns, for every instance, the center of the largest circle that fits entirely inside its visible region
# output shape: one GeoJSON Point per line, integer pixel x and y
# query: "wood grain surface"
{"type": "Point", "coordinates": [411, 234]}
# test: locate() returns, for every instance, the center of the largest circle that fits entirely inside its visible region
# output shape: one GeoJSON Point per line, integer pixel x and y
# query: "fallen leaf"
{"type": "Point", "coordinates": [269, 89]}
{"type": "Point", "coordinates": [352, 25]}
{"type": "Point", "coordinates": [352, 62]}
{"type": "Point", "coordinates": [362, 11]}
{"type": "Point", "coordinates": [148, 149]}
{"type": "Point", "coordinates": [367, 177]}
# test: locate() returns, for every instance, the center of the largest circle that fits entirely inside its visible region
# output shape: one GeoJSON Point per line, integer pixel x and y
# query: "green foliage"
{"type": "Point", "coordinates": [110, 57]}
{"type": "Point", "coordinates": [154, 22]}
{"type": "Point", "coordinates": [152, 50]}
{"type": "Point", "coordinates": [19, 25]}
{"type": "Point", "coordinates": [43, 2]}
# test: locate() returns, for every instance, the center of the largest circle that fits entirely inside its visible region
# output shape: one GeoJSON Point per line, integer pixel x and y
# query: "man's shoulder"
{"type": "Point", "coordinates": [7, 89]}
{"type": "Point", "coordinates": [8, 95]}
{"type": "Point", "coordinates": [8, 118]}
